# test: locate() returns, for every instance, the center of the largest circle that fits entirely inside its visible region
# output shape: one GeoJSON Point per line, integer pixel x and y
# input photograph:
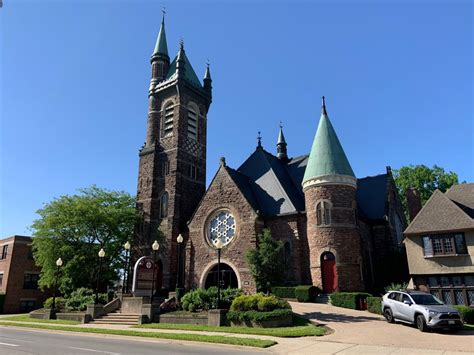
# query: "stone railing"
{"type": "Point", "coordinates": [111, 306]}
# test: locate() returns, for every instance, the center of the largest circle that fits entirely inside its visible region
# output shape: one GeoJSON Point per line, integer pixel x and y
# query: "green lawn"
{"type": "Point", "coordinates": [258, 343]}
{"type": "Point", "coordinates": [26, 318]}
{"type": "Point", "coordinates": [301, 328]}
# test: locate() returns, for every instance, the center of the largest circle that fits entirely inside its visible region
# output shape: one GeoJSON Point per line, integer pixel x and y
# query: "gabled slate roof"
{"type": "Point", "coordinates": [441, 214]}
{"type": "Point", "coordinates": [463, 196]}
{"type": "Point", "coordinates": [273, 186]}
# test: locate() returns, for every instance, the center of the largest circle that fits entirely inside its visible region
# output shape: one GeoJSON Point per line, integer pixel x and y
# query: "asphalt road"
{"type": "Point", "coordinates": [24, 341]}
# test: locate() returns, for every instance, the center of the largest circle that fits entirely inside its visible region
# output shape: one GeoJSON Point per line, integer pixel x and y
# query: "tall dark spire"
{"type": "Point", "coordinates": [281, 145]}
{"type": "Point", "coordinates": [207, 80]}
{"type": "Point", "coordinates": [323, 107]}
{"type": "Point", "coordinates": [161, 47]}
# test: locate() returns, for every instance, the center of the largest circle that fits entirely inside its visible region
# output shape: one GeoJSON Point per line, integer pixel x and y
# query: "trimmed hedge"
{"type": "Point", "coordinates": [306, 293]}
{"type": "Point", "coordinates": [256, 316]}
{"type": "Point", "coordinates": [284, 292]}
{"type": "Point", "coordinates": [258, 302]}
{"type": "Point", "coordinates": [467, 313]}
{"type": "Point", "coordinates": [374, 305]}
{"type": "Point", "coordinates": [203, 300]}
{"type": "Point", "coordinates": [348, 299]}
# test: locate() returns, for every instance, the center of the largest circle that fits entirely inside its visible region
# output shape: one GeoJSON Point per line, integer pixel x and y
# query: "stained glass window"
{"type": "Point", "coordinates": [222, 227]}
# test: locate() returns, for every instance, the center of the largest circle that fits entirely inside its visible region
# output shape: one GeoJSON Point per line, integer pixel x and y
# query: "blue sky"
{"type": "Point", "coordinates": [74, 81]}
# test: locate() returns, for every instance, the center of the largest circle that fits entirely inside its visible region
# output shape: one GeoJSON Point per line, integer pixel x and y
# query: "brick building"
{"type": "Point", "coordinates": [19, 276]}
{"type": "Point", "coordinates": [339, 232]}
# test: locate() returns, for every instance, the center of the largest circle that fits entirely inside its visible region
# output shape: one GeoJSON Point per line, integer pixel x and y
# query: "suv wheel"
{"type": "Point", "coordinates": [420, 323]}
{"type": "Point", "coordinates": [387, 313]}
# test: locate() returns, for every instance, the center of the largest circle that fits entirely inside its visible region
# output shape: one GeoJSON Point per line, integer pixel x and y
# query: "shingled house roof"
{"type": "Point", "coordinates": [273, 186]}
{"type": "Point", "coordinates": [445, 212]}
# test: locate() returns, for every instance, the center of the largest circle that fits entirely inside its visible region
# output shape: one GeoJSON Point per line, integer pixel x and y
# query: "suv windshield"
{"type": "Point", "coordinates": [426, 299]}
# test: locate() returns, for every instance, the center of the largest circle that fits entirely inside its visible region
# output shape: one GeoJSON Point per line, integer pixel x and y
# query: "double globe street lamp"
{"type": "Point", "coordinates": [101, 256]}
{"type": "Point", "coordinates": [155, 246]}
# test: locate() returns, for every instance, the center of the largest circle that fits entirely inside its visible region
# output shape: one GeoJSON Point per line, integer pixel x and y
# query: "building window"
{"type": "Point", "coordinates": [444, 244]}
{"type": "Point", "coordinates": [168, 120]}
{"type": "Point", "coordinates": [4, 252]}
{"type": "Point", "coordinates": [164, 205]}
{"type": "Point", "coordinates": [30, 253]}
{"type": "Point", "coordinates": [30, 281]}
{"type": "Point", "coordinates": [192, 172]}
{"type": "Point", "coordinates": [452, 289]}
{"type": "Point", "coordinates": [27, 306]}
{"type": "Point", "coordinates": [1, 281]}
{"type": "Point", "coordinates": [192, 122]}
{"type": "Point", "coordinates": [323, 213]}
{"type": "Point", "coordinates": [165, 169]}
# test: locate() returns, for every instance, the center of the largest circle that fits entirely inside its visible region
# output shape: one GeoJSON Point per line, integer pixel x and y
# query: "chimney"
{"type": "Point", "coordinates": [413, 202]}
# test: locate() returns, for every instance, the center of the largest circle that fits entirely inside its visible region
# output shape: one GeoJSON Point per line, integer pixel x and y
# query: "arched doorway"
{"type": "Point", "coordinates": [329, 272]}
{"type": "Point", "coordinates": [228, 277]}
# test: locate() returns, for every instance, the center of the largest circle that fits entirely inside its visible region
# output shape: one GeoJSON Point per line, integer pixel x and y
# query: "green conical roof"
{"type": "Point", "coordinates": [327, 156]}
{"type": "Point", "coordinates": [161, 46]}
{"type": "Point", "coordinates": [281, 137]}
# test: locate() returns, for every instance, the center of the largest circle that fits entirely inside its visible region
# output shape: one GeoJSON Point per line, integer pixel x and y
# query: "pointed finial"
{"type": "Point", "coordinates": [181, 43]}
{"type": "Point", "coordinates": [163, 10]}
{"type": "Point", "coordinates": [259, 140]}
{"type": "Point", "coordinates": [207, 74]}
{"type": "Point", "coordinates": [280, 125]}
{"type": "Point", "coordinates": [281, 145]}
{"type": "Point", "coordinates": [323, 108]}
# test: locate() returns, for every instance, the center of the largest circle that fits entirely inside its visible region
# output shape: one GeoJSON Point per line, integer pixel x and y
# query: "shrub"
{"type": "Point", "coordinates": [80, 298]}
{"type": "Point", "coordinates": [374, 305]}
{"type": "Point", "coordinates": [348, 299]}
{"type": "Point", "coordinates": [59, 303]}
{"type": "Point", "coordinates": [306, 293]}
{"type": "Point", "coordinates": [396, 287]}
{"type": "Point", "coordinates": [467, 313]}
{"type": "Point", "coordinates": [284, 292]}
{"type": "Point", "coordinates": [258, 302]}
{"type": "Point", "coordinates": [203, 300]}
{"type": "Point", "coordinates": [256, 316]}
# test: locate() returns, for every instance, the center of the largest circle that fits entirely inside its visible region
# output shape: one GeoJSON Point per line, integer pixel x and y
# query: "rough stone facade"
{"type": "Point", "coordinates": [222, 194]}
{"type": "Point", "coordinates": [341, 237]}
{"type": "Point", "coordinates": [171, 163]}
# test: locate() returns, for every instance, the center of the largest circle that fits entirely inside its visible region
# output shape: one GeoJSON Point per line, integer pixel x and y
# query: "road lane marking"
{"type": "Point", "coordinates": [93, 350]}
{"type": "Point", "coordinates": [7, 344]}
{"type": "Point", "coordinates": [15, 339]}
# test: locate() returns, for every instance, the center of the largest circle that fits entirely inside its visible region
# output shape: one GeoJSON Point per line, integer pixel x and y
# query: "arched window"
{"type": "Point", "coordinates": [323, 213]}
{"type": "Point", "coordinates": [164, 205]}
{"type": "Point", "coordinates": [168, 115]}
{"type": "Point", "coordinates": [193, 121]}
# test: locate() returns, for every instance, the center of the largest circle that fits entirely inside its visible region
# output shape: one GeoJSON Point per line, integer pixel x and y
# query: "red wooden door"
{"type": "Point", "coordinates": [329, 272]}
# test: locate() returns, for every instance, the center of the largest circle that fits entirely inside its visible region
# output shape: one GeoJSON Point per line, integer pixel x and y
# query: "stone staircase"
{"type": "Point", "coordinates": [118, 318]}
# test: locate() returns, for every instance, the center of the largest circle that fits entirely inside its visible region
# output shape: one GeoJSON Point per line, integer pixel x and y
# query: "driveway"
{"type": "Point", "coordinates": [368, 330]}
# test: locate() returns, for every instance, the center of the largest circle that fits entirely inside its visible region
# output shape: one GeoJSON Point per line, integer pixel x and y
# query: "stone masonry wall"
{"type": "Point", "coordinates": [222, 194]}
{"type": "Point", "coordinates": [342, 237]}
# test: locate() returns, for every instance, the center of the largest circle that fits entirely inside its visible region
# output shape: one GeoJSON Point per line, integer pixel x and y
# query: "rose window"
{"type": "Point", "coordinates": [222, 227]}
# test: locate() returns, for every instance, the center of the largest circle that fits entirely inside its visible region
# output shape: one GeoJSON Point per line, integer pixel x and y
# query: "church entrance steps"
{"type": "Point", "coordinates": [118, 318]}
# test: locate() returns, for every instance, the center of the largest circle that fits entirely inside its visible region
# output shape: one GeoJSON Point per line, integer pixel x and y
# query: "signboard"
{"type": "Point", "coordinates": [143, 276]}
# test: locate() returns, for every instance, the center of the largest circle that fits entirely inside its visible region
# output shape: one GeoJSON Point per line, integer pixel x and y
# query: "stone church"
{"type": "Point", "coordinates": [339, 231]}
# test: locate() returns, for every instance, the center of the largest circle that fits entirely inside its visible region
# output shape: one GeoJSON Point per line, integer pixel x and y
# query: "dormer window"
{"type": "Point", "coordinates": [192, 122]}
{"type": "Point", "coordinates": [323, 213]}
{"type": "Point", "coordinates": [168, 116]}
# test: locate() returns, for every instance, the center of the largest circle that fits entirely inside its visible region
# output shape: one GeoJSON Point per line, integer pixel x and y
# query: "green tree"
{"type": "Point", "coordinates": [424, 179]}
{"type": "Point", "coordinates": [266, 262]}
{"type": "Point", "coordinates": [75, 228]}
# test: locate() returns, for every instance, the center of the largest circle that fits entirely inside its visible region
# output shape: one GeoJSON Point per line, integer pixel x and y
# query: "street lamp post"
{"type": "Point", "coordinates": [101, 256]}
{"type": "Point", "coordinates": [127, 267]}
{"type": "Point", "coordinates": [155, 248]}
{"type": "Point", "coordinates": [218, 244]}
{"type": "Point", "coordinates": [59, 263]}
{"type": "Point", "coordinates": [178, 276]}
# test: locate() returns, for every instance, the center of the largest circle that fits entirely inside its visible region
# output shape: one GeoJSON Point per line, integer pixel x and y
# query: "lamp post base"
{"type": "Point", "coordinates": [217, 317]}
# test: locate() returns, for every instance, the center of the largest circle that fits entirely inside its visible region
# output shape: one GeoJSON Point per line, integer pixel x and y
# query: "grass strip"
{"type": "Point", "coordinates": [26, 318]}
{"type": "Point", "coordinates": [301, 328]}
{"type": "Point", "coordinates": [216, 339]}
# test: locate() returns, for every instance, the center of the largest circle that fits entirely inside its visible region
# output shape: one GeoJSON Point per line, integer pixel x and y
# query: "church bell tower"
{"type": "Point", "coordinates": [172, 166]}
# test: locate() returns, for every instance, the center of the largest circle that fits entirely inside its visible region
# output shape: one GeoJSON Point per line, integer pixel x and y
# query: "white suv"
{"type": "Point", "coordinates": [419, 308]}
